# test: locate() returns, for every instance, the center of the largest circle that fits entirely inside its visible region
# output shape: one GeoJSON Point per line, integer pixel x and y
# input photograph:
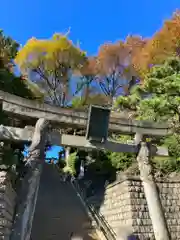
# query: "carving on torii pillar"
{"type": "Point", "coordinates": [37, 147]}
{"type": "Point", "coordinates": [144, 164]}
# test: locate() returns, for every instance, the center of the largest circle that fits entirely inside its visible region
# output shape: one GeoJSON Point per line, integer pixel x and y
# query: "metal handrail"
{"type": "Point", "coordinates": [104, 222]}
{"type": "Point", "coordinates": [104, 226]}
{"type": "Point", "coordinates": [98, 217]}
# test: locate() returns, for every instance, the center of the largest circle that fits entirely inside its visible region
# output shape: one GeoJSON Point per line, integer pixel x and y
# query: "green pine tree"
{"type": "Point", "coordinates": [158, 99]}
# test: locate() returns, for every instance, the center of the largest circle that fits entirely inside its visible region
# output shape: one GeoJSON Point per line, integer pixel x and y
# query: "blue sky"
{"type": "Point", "coordinates": [92, 22]}
{"type": "Point", "coordinates": [52, 153]}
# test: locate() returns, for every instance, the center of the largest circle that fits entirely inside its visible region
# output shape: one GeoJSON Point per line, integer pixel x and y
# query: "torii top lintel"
{"type": "Point", "coordinates": [119, 122]}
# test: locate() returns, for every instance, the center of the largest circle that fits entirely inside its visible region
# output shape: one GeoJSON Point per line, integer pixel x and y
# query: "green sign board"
{"type": "Point", "coordinates": [97, 126]}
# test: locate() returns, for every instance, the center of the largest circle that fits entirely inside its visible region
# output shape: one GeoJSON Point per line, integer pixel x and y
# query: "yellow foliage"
{"type": "Point", "coordinates": [51, 61]}
{"type": "Point", "coordinates": [49, 53]}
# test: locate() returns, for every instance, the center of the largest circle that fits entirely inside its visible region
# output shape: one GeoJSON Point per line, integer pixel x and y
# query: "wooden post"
{"type": "Point", "coordinates": [151, 193]}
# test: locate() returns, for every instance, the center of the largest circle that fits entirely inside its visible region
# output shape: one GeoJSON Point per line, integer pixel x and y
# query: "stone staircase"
{"type": "Point", "coordinates": [59, 211]}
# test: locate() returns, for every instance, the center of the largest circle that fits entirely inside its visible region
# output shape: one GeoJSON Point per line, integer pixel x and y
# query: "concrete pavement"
{"type": "Point", "coordinates": [59, 211]}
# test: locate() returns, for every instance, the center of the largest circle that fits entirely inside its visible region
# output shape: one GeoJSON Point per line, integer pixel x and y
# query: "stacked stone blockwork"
{"type": "Point", "coordinates": [7, 205]}
{"type": "Point", "coordinates": [125, 207]}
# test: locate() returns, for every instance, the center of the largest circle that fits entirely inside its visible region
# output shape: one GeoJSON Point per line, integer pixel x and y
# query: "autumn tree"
{"type": "Point", "coordinates": [86, 76]}
{"type": "Point", "coordinates": [165, 43]}
{"type": "Point", "coordinates": [110, 73]}
{"type": "Point", "coordinates": [116, 73]}
{"type": "Point", "coordinates": [50, 64]}
{"type": "Point", "coordinates": [87, 90]}
{"type": "Point", "coordinates": [112, 65]}
{"type": "Point", "coordinates": [135, 45]}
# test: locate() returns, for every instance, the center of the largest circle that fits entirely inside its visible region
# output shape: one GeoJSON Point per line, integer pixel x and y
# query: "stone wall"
{"type": "Point", "coordinates": [125, 207]}
{"type": "Point", "coordinates": [7, 205]}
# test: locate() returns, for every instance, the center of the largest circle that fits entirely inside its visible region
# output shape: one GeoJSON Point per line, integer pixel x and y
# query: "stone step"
{"type": "Point", "coordinates": [59, 209]}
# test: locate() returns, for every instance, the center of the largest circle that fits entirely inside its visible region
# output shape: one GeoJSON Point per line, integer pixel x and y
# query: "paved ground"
{"type": "Point", "coordinates": [59, 210]}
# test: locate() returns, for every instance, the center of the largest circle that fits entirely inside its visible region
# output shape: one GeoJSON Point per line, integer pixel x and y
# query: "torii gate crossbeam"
{"type": "Point", "coordinates": [119, 122]}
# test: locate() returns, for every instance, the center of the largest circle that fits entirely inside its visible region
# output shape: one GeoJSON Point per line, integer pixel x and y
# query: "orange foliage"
{"type": "Point", "coordinates": [165, 43]}
{"type": "Point", "coordinates": [111, 57]}
{"type": "Point", "coordinates": [135, 44]}
{"type": "Point", "coordinates": [121, 56]}
{"type": "Point", "coordinates": [89, 68]}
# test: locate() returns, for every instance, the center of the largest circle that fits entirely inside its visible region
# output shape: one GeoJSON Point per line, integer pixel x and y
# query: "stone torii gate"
{"type": "Point", "coordinates": [50, 117]}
